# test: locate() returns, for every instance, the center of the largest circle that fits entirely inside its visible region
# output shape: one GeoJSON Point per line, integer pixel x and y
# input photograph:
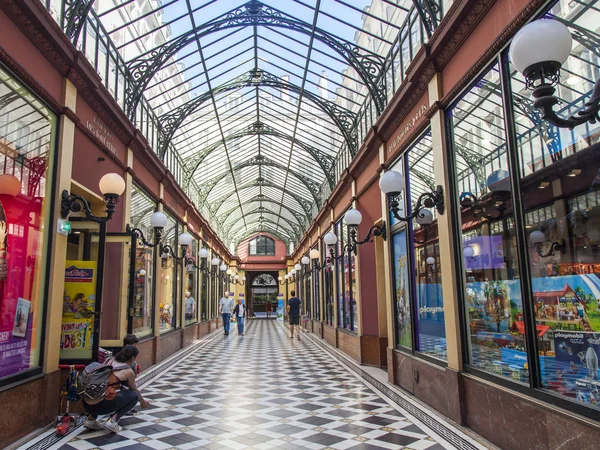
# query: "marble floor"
{"type": "Point", "coordinates": [262, 391]}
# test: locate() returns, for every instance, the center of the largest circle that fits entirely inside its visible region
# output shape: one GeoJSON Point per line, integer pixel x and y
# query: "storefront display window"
{"type": "Point", "coordinates": [348, 313]}
{"type": "Point", "coordinates": [492, 290]}
{"type": "Point", "coordinates": [204, 296]}
{"type": "Point", "coordinates": [142, 208]}
{"type": "Point", "coordinates": [191, 287]}
{"type": "Point", "coordinates": [316, 286]}
{"type": "Point", "coordinates": [328, 287]}
{"type": "Point", "coordinates": [27, 140]}
{"type": "Point", "coordinates": [560, 189]}
{"type": "Point", "coordinates": [402, 303]}
{"type": "Point", "coordinates": [167, 284]}
{"type": "Point", "coordinates": [429, 309]}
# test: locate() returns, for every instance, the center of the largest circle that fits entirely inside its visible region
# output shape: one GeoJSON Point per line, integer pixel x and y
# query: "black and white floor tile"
{"type": "Point", "coordinates": [262, 391]}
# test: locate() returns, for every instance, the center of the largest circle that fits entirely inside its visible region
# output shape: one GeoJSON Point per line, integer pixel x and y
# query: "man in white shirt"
{"type": "Point", "coordinates": [239, 313]}
{"type": "Point", "coordinates": [225, 307]}
{"type": "Point", "coordinates": [190, 306]}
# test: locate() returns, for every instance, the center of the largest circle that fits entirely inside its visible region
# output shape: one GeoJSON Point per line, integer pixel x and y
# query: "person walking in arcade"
{"type": "Point", "coordinates": [225, 308]}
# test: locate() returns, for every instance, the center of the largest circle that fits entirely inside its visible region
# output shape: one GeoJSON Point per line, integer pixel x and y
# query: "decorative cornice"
{"type": "Point", "coordinates": [32, 84]}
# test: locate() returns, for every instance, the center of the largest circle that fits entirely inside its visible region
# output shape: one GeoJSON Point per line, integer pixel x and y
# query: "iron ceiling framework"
{"type": "Point", "coordinates": [259, 147]}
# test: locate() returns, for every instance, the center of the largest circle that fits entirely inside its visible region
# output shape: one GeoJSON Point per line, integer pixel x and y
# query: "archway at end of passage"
{"type": "Point", "coordinates": [263, 291]}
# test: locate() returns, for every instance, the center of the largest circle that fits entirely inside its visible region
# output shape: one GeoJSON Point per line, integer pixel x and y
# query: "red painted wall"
{"type": "Point", "coordinates": [242, 250]}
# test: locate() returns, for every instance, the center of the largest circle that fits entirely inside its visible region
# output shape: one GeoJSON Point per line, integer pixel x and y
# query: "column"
{"type": "Point", "coordinates": [448, 268]}
{"type": "Point", "coordinates": [64, 161]}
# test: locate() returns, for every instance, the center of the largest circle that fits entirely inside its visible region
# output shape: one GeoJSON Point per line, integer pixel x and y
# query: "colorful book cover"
{"type": "Point", "coordinates": [21, 318]}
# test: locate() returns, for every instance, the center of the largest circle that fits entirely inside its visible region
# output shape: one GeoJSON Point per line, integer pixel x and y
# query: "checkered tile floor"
{"type": "Point", "coordinates": [262, 391]}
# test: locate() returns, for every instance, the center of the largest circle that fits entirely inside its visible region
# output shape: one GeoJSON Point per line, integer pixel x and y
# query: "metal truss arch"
{"type": "Point", "coordinates": [258, 229]}
{"type": "Point", "coordinates": [261, 198]}
{"type": "Point", "coordinates": [289, 225]}
{"type": "Point", "coordinates": [260, 160]}
{"type": "Point", "coordinates": [263, 220]}
{"type": "Point", "coordinates": [369, 66]}
{"type": "Point", "coordinates": [217, 203]}
{"type": "Point", "coordinates": [325, 162]}
{"type": "Point", "coordinates": [344, 119]}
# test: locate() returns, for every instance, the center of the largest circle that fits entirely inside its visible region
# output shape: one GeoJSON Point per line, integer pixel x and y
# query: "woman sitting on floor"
{"type": "Point", "coordinates": [126, 398]}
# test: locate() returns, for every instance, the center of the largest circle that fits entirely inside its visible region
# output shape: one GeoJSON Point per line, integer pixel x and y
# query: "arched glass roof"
{"type": "Point", "coordinates": [254, 105]}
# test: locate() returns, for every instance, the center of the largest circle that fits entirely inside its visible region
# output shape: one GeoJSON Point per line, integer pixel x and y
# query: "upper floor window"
{"type": "Point", "coordinates": [262, 246]}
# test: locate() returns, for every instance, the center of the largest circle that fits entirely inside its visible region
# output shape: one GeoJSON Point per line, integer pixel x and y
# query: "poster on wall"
{"type": "Point", "coordinates": [15, 345]}
{"type": "Point", "coordinates": [568, 301]}
{"type": "Point", "coordinates": [79, 306]}
{"type": "Point", "coordinates": [402, 310]}
{"type": "Point", "coordinates": [280, 307]}
{"type": "Point", "coordinates": [577, 364]}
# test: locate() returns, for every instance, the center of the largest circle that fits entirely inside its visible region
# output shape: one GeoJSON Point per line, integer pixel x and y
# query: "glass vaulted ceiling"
{"type": "Point", "coordinates": [255, 106]}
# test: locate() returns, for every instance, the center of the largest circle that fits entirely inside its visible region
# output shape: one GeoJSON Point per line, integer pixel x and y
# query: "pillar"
{"type": "Point", "coordinates": [450, 274]}
{"type": "Point", "coordinates": [64, 161]}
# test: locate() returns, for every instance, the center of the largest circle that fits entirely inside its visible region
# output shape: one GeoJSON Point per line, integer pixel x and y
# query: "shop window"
{"type": "Point", "coordinates": [492, 289]}
{"type": "Point", "coordinates": [190, 298]}
{"type": "Point", "coordinates": [560, 190]}
{"type": "Point", "coordinates": [328, 287]}
{"type": "Point", "coordinates": [167, 286]}
{"type": "Point", "coordinates": [346, 281]}
{"type": "Point", "coordinates": [262, 246]}
{"type": "Point", "coordinates": [204, 313]}
{"type": "Point", "coordinates": [429, 310]}
{"type": "Point", "coordinates": [24, 190]}
{"type": "Point", "coordinates": [316, 287]}
{"type": "Point", "coordinates": [142, 208]}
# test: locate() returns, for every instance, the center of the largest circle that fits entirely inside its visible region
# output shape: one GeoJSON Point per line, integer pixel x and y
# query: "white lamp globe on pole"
{"type": "Point", "coordinates": [305, 260]}
{"type": "Point", "coordinates": [425, 217]}
{"type": "Point", "coordinates": [540, 48]}
{"type": "Point", "coordinates": [391, 182]}
{"type": "Point", "coordinates": [330, 239]}
{"type": "Point", "coordinates": [353, 217]}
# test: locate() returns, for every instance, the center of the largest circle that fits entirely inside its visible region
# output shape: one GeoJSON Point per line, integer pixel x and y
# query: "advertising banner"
{"type": "Point", "coordinates": [15, 345]}
{"type": "Point", "coordinates": [577, 363]}
{"type": "Point", "coordinates": [280, 307]}
{"type": "Point", "coordinates": [79, 306]}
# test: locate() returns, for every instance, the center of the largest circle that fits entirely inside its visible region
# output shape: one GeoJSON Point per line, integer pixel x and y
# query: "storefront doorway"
{"type": "Point", "coordinates": [98, 301]}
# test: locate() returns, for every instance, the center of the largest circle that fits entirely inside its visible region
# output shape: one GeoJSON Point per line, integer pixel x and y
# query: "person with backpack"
{"type": "Point", "coordinates": [100, 387]}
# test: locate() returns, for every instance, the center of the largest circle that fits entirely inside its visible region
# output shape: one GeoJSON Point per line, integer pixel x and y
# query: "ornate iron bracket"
{"type": "Point", "coordinates": [429, 12]}
{"type": "Point", "coordinates": [433, 199]}
{"type": "Point", "coordinates": [139, 235]}
{"type": "Point", "coordinates": [545, 102]}
{"type": "Point", "coordinates": [75, 15]}
{"type": "Point", "coordinates": [75, 203]}
{"type": "Point", "coordinates": [374, 231]}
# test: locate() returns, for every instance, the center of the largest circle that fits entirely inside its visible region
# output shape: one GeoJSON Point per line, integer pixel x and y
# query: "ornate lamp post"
{"type": "Point", "coordinates": [353, 220]}
{"type": "Point", "coordinates": [538, 51]}
{"type": "Point", "coordinates": [392, 185]}
{"type": "Point", "coordinates": [112, 185]}
{"type": "Point", "coordinates": [158, 221]}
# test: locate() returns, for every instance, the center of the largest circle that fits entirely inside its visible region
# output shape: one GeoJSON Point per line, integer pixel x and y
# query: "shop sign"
{"type": "Point", "coordinates": [407, 126]}
{"type": "Point", "coordinates": [79, 307]}
{"type": "Point", "coordinates": [102, 133]}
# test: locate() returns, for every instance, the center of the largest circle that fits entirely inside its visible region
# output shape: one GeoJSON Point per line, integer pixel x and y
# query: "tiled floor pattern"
{"type": "Point", "coordinates": [262, 391]}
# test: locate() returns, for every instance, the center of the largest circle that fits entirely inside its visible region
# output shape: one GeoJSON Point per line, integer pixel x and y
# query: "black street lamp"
{"type": "Point", "coordinates": [538, 51]}
{"type": "Point", "coordinates": [392, 185]}
{"type": "Point", "coordinates": [538, 238]}
{"type": "Point", "coordinates": [184, 240]}
{"type": "Point", "coordinates": [353, 220]}
{"type": "Point", "coordinates": [112, 185]}
{"type": "Point", "coordinates": [158, 221]}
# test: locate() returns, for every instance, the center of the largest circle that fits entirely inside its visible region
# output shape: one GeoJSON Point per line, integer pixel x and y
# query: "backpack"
{"type": "Point", "coordinates": [98, 381]}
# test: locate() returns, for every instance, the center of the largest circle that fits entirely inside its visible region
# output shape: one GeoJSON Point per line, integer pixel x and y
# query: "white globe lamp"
{"type": "Point", "coordinates": [391, 182]}
{"type": "Point", "coordinates": [353, 217]}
